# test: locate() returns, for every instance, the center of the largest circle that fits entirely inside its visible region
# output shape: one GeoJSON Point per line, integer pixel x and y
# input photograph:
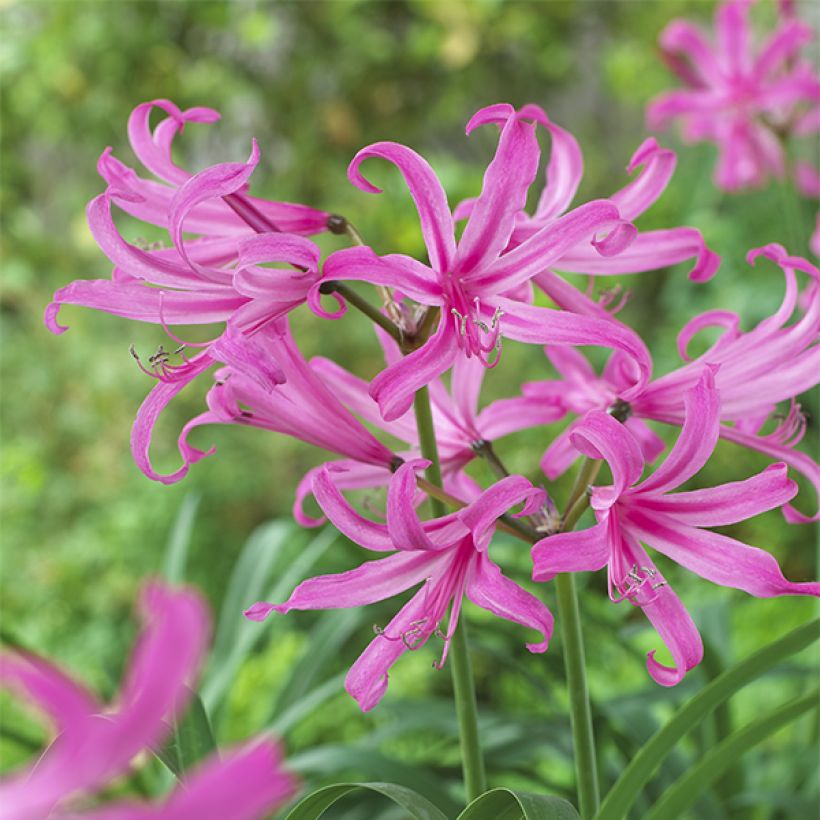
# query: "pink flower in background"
{"type": "Point", "coordinates": [448, 555]}
{"type": "Point", "coordinates": [772, 363]}
{"type": "Point", "coordinates": [96, 743]}
{"type": "Point", "coordinates": [742, 98]}
{"type": "Point", "coordinates": [461, 429]}
{"type": "Point", "coordinates": [630, 514]}
{"type": "Point", "coordinates": [650, 250]}
{"type": "Point", "coordinates": [474, 283]}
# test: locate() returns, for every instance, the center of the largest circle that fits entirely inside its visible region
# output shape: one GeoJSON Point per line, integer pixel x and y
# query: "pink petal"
{"type": "Point", "coordinates": [733, 36]}
{"type": "Point", "coordinates": [503, 195]}
{"type": "Point", "coordinates": [658, 167]}
{"type": "Point", "coordinates": [431, 201]}
{"type": "Point", "coordinates": [560, 455]}
{"type": "Point", "coordinates": [781, 46]}
{"type": "Point", "coordinates": [507, 416]}
{"type": "Point", "coordinates": [716, 557]}
{"type": "Point", "coordinates": [700, 67]}
{"type": "Point", "coordinates": [651, 444]}
{"type": "Point", "coordinates": [578, 551]}
{"type": "Point", "coordinates": [697, 439]}
{"type": "Point", "coordinates": [727, 503]}
{"type": "Point", "coordinates": [406, 531]}
{"type": "Point", "coordinates": [489, 589]}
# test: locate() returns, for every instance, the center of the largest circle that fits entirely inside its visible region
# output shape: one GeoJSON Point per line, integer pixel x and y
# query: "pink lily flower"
{"type": "Point", "coordinates": [630, 514]}
{"type": "Point", "coordinates": [218, 278]}
{"type": "Point", "coordinates": [650, 250]}
{"type": "Point", "coordinates": [96, 743]}
{"type": "Point", "coordinates": [461, 430]}
{"type": "Point", "coordinates": [474, 283]}
{"type": "Point", "coordinates": [449, 555]}
{"type": "Point", "coordinates": [772, 363]}
{"type": "Point", "coordinates": [741, 98]}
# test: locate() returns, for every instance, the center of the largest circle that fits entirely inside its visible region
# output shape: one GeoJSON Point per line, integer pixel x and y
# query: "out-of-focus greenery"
{"type": "Point", "coordinates": [313, 82]}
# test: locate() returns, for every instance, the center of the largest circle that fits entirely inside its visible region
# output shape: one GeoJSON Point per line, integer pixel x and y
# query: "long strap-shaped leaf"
{"type": "Point", "coordinates": [314, 805]}
{"type": "Point", "coordinates": [685, 791]}
{"type": "Point", "coordinates": [506, 804]}
{"type": "Point", "coordinates": [623, 794]}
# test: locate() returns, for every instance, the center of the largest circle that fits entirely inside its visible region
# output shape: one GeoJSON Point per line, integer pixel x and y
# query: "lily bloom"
{"type": "Point", "coordinates": [96, 743]}
{"type": "Point", "coordinates": [741, 98]}
{"type": "Point", "coordinates": [759, 368]}
{"type": "Point", "coordinates": [475, 284]}
{"type": "Point", "coordinates": [449, 555]}
{"type": "Point", "coordinates": [631, 514]}
{"type": "Point", "coordinates": [218, 278]}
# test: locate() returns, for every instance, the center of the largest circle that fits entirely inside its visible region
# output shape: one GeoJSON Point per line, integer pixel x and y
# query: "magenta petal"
{"type": "Point", "coordinates": [651, 444]}
{"type": "Point", "coordinates": [372, 581]}
{"type": "Point", "coordinates": [507, 416]}
{"type": "Point", "coordinates": [366, 681]}
{"type": "Point", "coordinates": [699, 66]}
{"type": "Point", "coordinates": [697, 439]}
{"type": "Point", "coordinates": [559, 456]}
{"type": "Point", "coordinates": [781, 46]}
{"type": "Point", "coordinates": [488, 588]}
{"type": "Point", "coordinates": [395, 387]}
{"type": "Point", "coordinates": [406, 531]}
{"type": "Point", "coordinates": [503, 195]}
{"type": "Point", "coordinates": [431, 201]}
{"type": "Point", "coordinates": [579, 551]}
{"type": "Point", "coordinates": [727, 503]}
{"type": "Point", "coordinates": [716, 557]}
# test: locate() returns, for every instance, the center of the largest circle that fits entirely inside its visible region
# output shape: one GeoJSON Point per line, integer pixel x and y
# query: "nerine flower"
{"type": "Point", "coordinates": [96, 743]}
{"type": "Point", "coordinates": [219, 277]}
{"type": "Point", "coordinates": [462, 431]}
{"type": "Point", "coordinates": [474, 283]}
{"type": "Point", "coordinates": [742, 98]}
{"type": "Point", "coordinates": [631, 514]}
{"type": "Point", "coordinates": [759, 368]}
{"type": "Point", "coordinates": [448, 555]}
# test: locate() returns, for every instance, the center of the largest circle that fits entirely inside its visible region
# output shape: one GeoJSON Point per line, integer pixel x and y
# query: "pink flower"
{"type": "Point", "coordinates": [448, 554]}
{"type": "Point", "coordinates": [630, 514]}
{"type": "Point", "coordinates": [461, 430]}
{"type": "Point", "coordinates": [772, 363]}
{"type": "Point", "coordinates": [476, 285]}
{"type": "Point", "coordinates": [216, 278]}
{"type": "Point", "coordinates": [96, 744]}
{"type": "Point", "coordinates": [650, 250]}
{"type": "Point", "coordinates": [741, 98]}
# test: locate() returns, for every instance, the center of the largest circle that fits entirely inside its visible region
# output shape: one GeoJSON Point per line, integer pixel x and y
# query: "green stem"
{"type": "Point", "coordinates": [583, 740]}
{"type": "Point", "coordinates": [472, 761]}
{"type": "Point", "coordinates": [586, 475]}
{"type": "Point", "coordinates": [361, 304]}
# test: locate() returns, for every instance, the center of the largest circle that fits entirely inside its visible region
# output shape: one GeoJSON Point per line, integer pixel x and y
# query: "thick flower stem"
{"type": "Point", "coordinates": [583, 738]}
{"type": "Point", "coordinates": [472, 761]}
{"type": "Point", "coordinates": [372, 313]}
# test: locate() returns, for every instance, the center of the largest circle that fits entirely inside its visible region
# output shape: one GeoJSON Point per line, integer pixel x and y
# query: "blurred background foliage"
{"type": "Point", "coordinates": [313, 82]}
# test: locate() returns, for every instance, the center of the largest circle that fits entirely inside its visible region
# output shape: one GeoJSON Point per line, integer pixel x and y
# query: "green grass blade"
{"type": "Point", "coordinates": [642, 767]}
{"type": "Point", "coordinates": [175, 559]}
{"type": "Point", "coordinates": [191, 741]}
{"type": "Point", "coordinates": [314, 805]}
{"type": "Point", "coordinates": [506, 804]}
{"type": "Point", "coordinates": [677, 799]}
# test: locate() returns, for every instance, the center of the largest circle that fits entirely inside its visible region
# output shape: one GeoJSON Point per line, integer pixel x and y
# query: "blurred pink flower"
{"type": "Point", "coordinates": [95, 743]}
{"type": "Point", "coordinates": [771, 363]}
{"type": "Point", "coordinates": [478, 286]}
{"type": "Point", "coordinates": [448, 554]}
{"type": "Point", "coordinates": [742, 98]}
{"type": "Point", "coordinates": [630, 514]}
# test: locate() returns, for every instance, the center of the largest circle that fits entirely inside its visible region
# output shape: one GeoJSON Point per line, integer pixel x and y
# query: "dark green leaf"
{"type": "Point", "coordinates": [314, 805]}
{"type": "Point", "coordinates": [191, 741]}
{"type": "Point", "coordinates": [506, 804]}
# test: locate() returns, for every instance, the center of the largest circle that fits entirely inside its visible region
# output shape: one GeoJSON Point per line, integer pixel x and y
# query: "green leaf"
{"type": "Point", "coordinates": [191, 741]}
{"type": "Point", "coordinates": [711, 766]}
{"type": "Point", "coordinates": [623, 794]}
{"type": "Point", "coordinates": [179, 541]}
{"type": "Point", "coordinates": [506, 804]}
{"type": "Point", "coordinates": [314, 805]}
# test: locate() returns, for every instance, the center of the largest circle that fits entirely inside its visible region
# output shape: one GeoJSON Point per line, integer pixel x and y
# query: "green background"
{"type": "Point", "coordinates": [313, 82]}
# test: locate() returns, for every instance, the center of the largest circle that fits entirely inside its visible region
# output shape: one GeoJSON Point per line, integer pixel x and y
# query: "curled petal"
{"type": "Point", "coordinates": [658, 166]}
{"type": "Point", "coordinates": [406, 531]}
{"type": "Point", "coordinates": [488, 588]}
{"type": "Point", "coordinates": [431, 201]}
{"type": "Point", "coordinates": [729, 321]}
{"type": "Point", "coordinates": [697, 439]}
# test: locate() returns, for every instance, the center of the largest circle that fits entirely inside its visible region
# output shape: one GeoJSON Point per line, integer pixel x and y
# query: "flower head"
{"type": "Point", "coordinates": [448, 555]}
{"type": "Point", "coordinates": [631, 514]}
{"type": "Point", "coordinates": [96, 743]}
{"type": "Point", "coordinates": [741, 98]}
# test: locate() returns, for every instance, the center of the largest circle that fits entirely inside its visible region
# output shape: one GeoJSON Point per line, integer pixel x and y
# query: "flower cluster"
{"type": "Point", "coordinates": [245, 265]}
